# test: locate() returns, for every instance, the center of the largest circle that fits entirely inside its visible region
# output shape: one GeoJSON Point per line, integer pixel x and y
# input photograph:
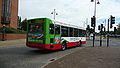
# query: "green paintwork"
{"type": "Point", "coordinates": [46, 35]}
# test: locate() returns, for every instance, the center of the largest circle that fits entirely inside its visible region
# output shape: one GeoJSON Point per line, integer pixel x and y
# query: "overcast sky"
{"type": "Point", "coordinates": [69, 11]}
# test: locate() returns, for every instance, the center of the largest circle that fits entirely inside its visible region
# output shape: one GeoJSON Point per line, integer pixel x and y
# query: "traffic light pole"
{"type": "Point", "coordinates": [100, 37]}
{"type": "Point", "coordinates": [94, 24]}
{"type": "Point", "coordinates": [93, 36]}
{"type": "Point", "coordinates": [108, 35]}
{"type": "Point", "coordinates": [96, 2]}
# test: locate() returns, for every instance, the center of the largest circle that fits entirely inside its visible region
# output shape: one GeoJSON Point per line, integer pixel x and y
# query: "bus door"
{"type": "Point", "coordinates": [54, 34]}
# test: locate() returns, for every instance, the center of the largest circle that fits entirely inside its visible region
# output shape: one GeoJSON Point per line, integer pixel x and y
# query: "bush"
{"type": "Point", "coordinates": [11, 30]}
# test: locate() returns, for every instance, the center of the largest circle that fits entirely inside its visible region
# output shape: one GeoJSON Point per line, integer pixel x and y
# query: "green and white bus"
{"type": "Point", "coordinates": [44, 33]}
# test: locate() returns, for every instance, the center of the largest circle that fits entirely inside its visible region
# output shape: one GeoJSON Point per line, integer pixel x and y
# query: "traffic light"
{"type": "Point", "coordinates": [91, 30]}
{"type": "Point", "coordinates": [104, 29]}
{"type": "Point", "coordinates": [88, 27]}
{"type": "Point", "coordinates": [99, 27]}
{"type": "Point", "coordinates": [92, 0]}
{"type": "Point", "coordinates": [115, 29]}
{"type": "Point", "coordinates": [112, 21]}
{"type": "Point", "coordinates": [93, 20]}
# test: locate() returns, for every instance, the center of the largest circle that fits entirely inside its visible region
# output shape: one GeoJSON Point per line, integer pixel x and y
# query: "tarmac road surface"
{"type": "Point", "coordinates": [14, 54]}
{"type": "Point", "coordinates": [20, 56]}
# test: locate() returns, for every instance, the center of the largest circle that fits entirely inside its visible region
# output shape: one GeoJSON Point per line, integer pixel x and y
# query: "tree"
{"type": "Point", "coordinates": [19, 22]}
{"type": "Point", "coordinates": [24, 24]}
{"type": "Point", "coordinates": [118, 28]}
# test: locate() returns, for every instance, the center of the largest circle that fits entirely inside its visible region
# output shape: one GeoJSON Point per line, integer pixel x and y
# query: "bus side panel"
{"type": "Point", "coordinates": [44, 46]}
{"type": "Point", "coordinates": [74, 41]}
{"type": "Point", "coordinates": [83, 42]}
{"type": "Point", "coordinates": [46, 32]}
{"type": "Point", "coordinates": [71, 44]}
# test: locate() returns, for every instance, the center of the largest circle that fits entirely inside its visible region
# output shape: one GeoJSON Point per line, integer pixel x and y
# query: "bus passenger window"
{"type": "Point", "coordinates": [57, 29]}
{"type": "Point", "coordinates": [80, 33]}
{"type": "Point", "coordinates": [51, 28]}
{"type": "Point", "coordinates": [75, 32]}
{"type": "Point", "coordinates": [71, 32]}
{"type": "Point", "coordinates": [64, 31]}
{"type": "Point", "coordinates": [84, 33]}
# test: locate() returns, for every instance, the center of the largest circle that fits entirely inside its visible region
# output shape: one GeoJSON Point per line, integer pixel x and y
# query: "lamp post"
{"type": "Point", "coordinates": [3, 32]}
{"type": "Point", "coordinates": [54, 13]}
{"type": "Point", "coordinates": [96, 2]}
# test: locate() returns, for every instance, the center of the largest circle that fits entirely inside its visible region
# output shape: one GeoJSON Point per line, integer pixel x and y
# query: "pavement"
{"type": "Point", "coordinates": [18, 42]}
{"type": "Point", "coordinates": [89, 57]}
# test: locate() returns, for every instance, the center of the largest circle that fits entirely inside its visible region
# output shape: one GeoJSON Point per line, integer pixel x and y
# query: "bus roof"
{"type": "Point", "coordinates": [68, 25]}
{"type": "Point", "coordinates": [61, 23]}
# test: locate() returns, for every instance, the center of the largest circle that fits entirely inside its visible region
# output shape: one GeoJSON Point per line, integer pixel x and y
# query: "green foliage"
{"type": "Point", "coordinates": [118, 28]}
{"type": "Point", "coordinates": [24, 25]}
{"type": "Point", "coordinates": [19, 22]}
{"type": "Point", "coordinates": [11, 30]}
{"type": "Point", "coordinates": [118, 32]}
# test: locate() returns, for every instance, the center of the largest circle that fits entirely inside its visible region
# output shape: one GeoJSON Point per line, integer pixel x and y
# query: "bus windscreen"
{"type": "Point", "coordinates": [36, 28]}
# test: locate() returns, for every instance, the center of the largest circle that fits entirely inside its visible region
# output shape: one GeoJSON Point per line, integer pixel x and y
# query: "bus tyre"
{"type": "Point", "coordinates": [63, 46]}
{"type": "Point", "coordinates": [80, 43]}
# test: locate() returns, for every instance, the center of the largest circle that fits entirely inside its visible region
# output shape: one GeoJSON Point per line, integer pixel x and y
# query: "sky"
{"type": "Point", "coordinates": [77, 12]}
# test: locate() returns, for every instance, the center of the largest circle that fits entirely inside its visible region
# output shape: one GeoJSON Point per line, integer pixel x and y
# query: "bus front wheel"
{"type": "Point", "coordinates": [63, 46]}
{"type": "Point", "coordinates": [80, 43]}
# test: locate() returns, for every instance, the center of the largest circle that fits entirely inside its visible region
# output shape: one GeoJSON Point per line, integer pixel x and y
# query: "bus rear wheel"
{"type": "Point", "coordinates": [63, 46]}
{"type": "Point", "coordinates": [80, 43]}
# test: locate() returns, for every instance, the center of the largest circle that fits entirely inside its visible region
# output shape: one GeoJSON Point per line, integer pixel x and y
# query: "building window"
{"type": "Point", "coordinates": [6, 11]}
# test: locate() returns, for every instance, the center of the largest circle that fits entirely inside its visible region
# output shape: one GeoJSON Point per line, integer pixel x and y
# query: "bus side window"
{"type": "Point", "coordinates": [64, 31]}
{"type": "Point", "coordinates": [71, 32]}
{"type": "Point", "coordinates": [84, 33]}
{"type": "Point", "coordinates": [51, 28]}
{"type": "Point", "coordinates": [57, 29]}
{"type": "Point", "coordinates": [80, 33]}
{"type": "Point", "coordinates": [75, 32]}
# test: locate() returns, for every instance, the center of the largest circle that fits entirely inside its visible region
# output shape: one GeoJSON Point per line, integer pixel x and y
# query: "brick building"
{"type": "Point", "coordinates": [9, 18]}
{"type": "Point", "coordinates": [9, 13]}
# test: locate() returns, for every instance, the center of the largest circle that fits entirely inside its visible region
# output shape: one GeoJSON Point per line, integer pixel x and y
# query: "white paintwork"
{"type": "Point", "coordinates": [68, 25]}
{"type": "Point", "coordinates": [74, 39]}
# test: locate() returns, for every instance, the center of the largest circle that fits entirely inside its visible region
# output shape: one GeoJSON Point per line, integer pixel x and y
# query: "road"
{"type": "Point", "coordinates": [24, 57]}
{"type": "Point", "coordinates": [112, 42]}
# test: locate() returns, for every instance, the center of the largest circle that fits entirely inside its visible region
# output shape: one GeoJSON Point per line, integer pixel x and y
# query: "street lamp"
{"type": "Point", "coordinates": [96, 2]}
{"type": "Point", "coordinates": [3, 32]}
{"type": "Point", "coordinates": [54, 13]}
